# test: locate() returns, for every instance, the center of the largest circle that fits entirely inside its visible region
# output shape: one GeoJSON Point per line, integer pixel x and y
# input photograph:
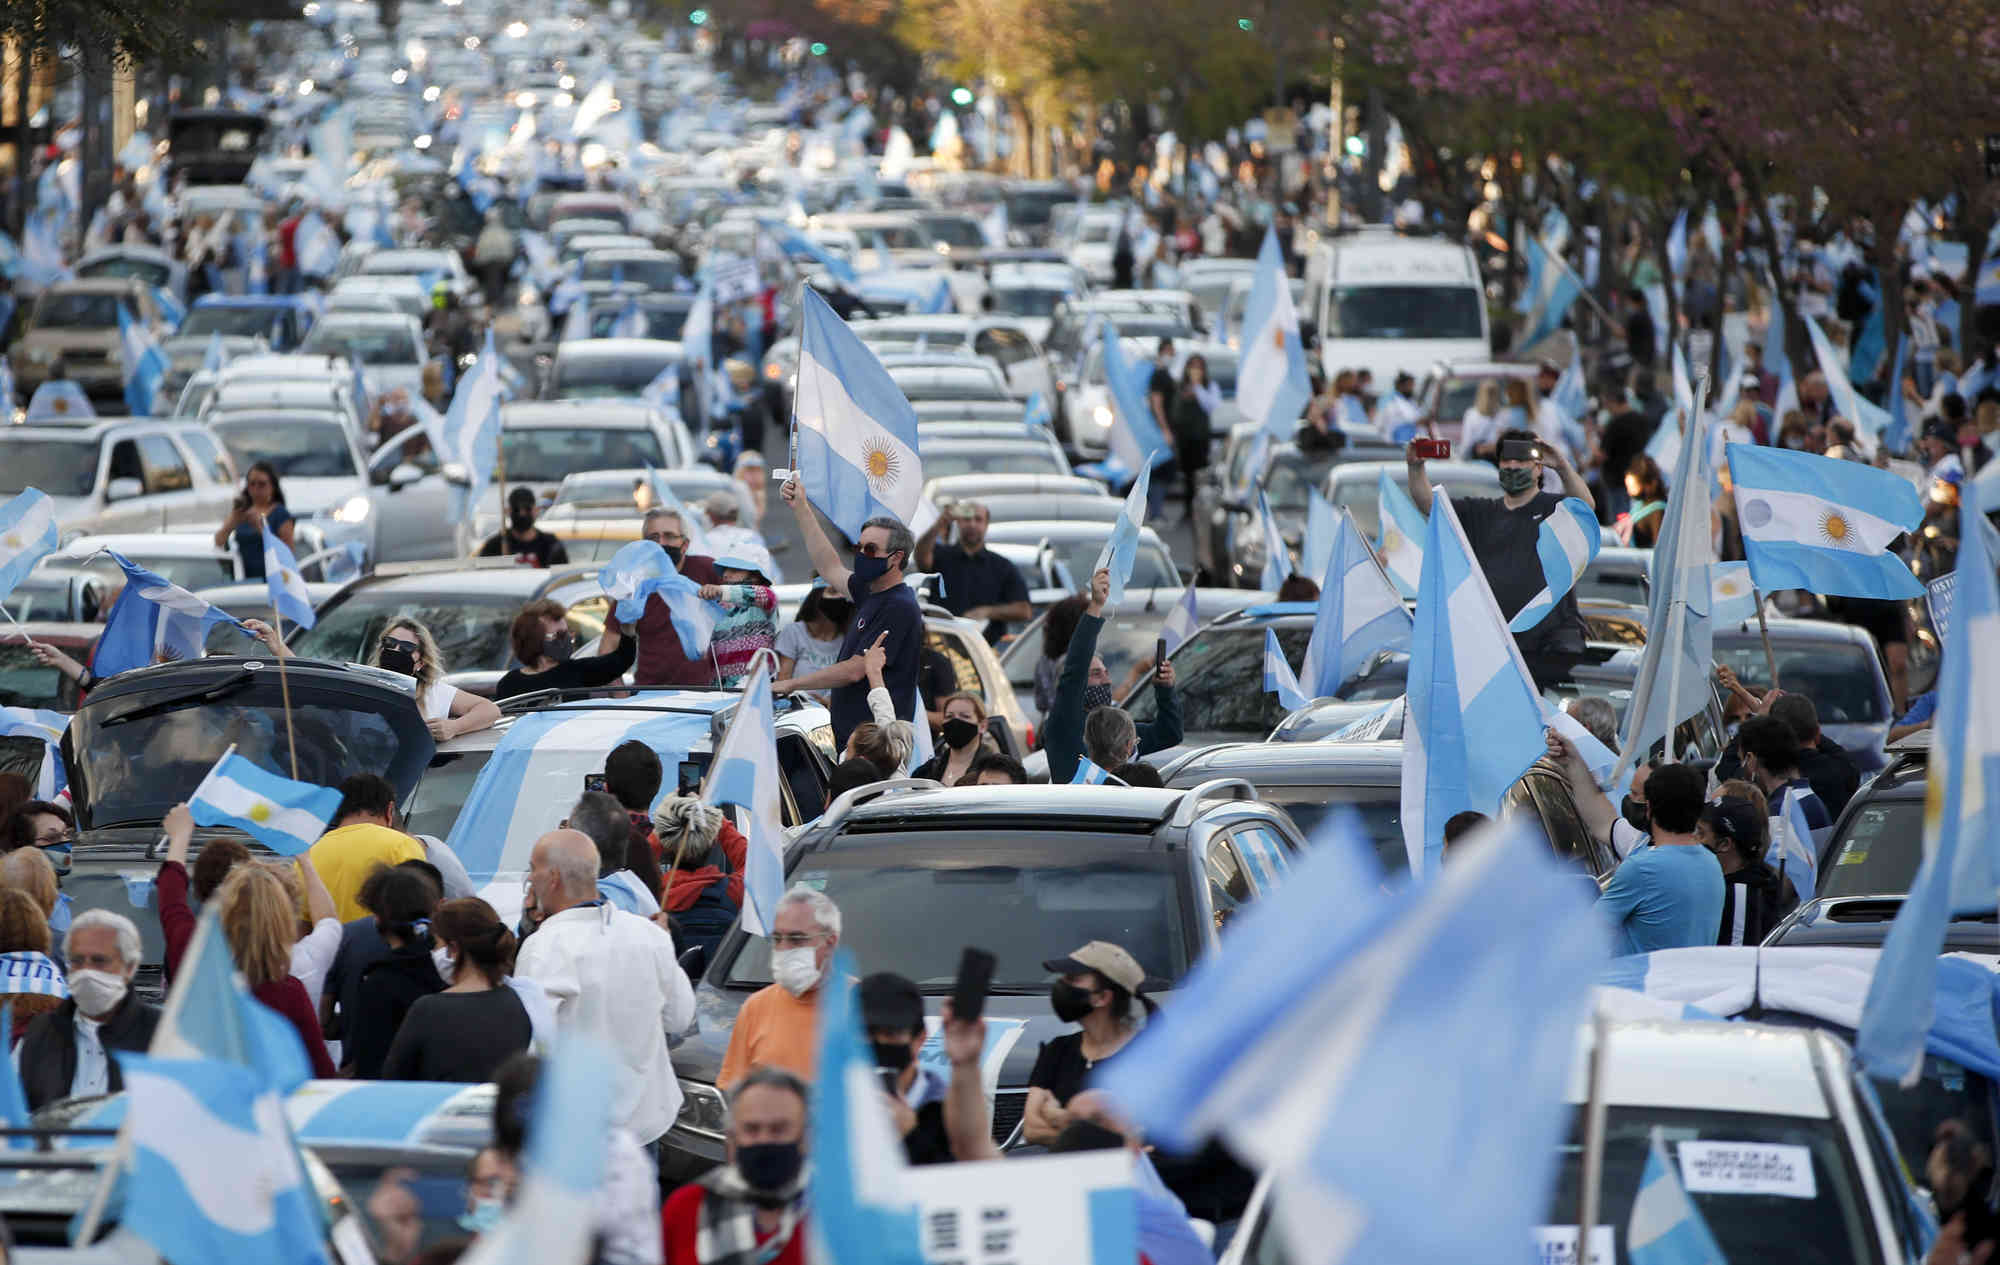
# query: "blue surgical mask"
{"type": "Point", "coordinates": [484, 1214]}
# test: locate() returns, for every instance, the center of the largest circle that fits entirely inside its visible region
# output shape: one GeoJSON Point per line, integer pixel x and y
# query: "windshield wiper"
{"type": "Point", "coordinates": [209, 695]}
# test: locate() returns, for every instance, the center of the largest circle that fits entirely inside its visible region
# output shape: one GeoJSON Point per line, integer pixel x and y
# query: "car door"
{"type": "Point", "coordinates": [214, 481]}
{"type": "Point", "coordinates": [416, 520]}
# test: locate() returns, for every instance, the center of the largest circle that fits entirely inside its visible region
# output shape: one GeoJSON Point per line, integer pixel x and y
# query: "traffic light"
{"type": "Point", "coordinates": [699, 17]}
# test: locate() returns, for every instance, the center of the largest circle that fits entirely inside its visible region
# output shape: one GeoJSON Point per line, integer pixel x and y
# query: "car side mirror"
{"type": "Point", "coordinates": [694, 961]}
{"type": "Point", "coordinates": [404, 475]}
{"type": "Point", "coordinates": [123, 489]}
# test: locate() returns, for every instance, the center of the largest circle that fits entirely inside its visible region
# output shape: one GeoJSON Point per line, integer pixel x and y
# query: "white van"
{"type": "Point", "coordinates": [1391, 304]}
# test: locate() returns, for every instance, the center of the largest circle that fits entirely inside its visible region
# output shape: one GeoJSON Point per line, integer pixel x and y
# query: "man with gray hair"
{"type": "Point", "coordinates": [661, 659]}
{"type": "Point", "coordinates": [66, 1052]}
{"type": "Point", "coordinates": [886, 614]}
{"type": "Point", "coordinates": [779, 1024]}
{"type": "Point", "coordinates": [608, 973]}
{"type": "Point", "coordinates": [609, 826]}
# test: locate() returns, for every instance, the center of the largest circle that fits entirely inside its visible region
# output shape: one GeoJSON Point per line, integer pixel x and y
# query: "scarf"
{"type": "Point", "coordinates": [727, 1234]}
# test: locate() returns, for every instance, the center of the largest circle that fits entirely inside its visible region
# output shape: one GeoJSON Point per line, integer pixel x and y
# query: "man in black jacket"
{"type": "Point", "coordinates": [892, 1011]}
{"type": "Point", "coordinates": [68, 1051]}
{"type": "Point", "coordinates": [1825, 763]}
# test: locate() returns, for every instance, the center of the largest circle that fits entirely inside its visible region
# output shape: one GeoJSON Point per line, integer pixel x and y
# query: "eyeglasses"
{"type": "Point", "coordinates": [794, 939]}
{"type": "Point", "coordinates": [397, 643]}
{"type": "Point", "coordinates": [873, 550]}
{"type": "Point", "coordinates": [665, 538]}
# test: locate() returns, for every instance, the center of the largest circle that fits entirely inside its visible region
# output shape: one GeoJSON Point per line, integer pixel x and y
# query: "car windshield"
{"type": "Point", "coordinates": [546, 454]}
{"type": "Point", "coordinates": [377, 344]}
{"type": "Point", "coordinates": [944, 384]}
{"type": "Point", "coordinates": [435, 804]}
{"type": "Point", "coordinates": [1219, 679]}
{"type": "Point", "coordinates": [1379, 808]}
{"type": "Point", "coordinates": [401, 263]}
{"type": "Point", "coordinates": [913, 912]}
{"type": "Point", "coordinates": [296, 449]}
{"type": "Point", "coordinates": [1878, 851]}
{"type": "Point", "coordinates": [1839, 677]}
{"type": "Point", "coordinates": [955, 230]}
{"type": "Point", "coordinates": [1769, 1187]}
{"type": "Point", "coordinates": [470, 628]}
{"type": "Point", "coordinates": [230, 322]}
{"type": "Point", "coordinates": [1000, 459]}
{"type": "Point", "coordinates": [1027, 300]}
{"type": "Point", "coordinates": [891, 341]}
{"type": "Point", "coordinates": [1290, 479]}
{"type": "Point", "coordinates": [661, 322]}
{"type": "Point", "coordinates": [1358, 496]}
{"type": "Point", "coordinates": [76, 311]}
{"type": "Point", "coordinates": [149, 271]}
{"type": "Point", "coordinates": [653, 274]}
{"type": "Point", "coordinates": [606, 378]}
{"type": "Point", "coordinates": [1406, 312]}
{"type": "Point", "coordinates": [24, 682]}
{"type": "Point", "coordinates": [1603, 584]}
{"type": "Point", "coordinates": [59, 467]}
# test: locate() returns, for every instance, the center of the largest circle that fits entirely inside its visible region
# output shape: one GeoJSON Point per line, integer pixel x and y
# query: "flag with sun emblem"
{"type": "Point", "coordinates": [856, 434]}
{"type": "Point", "coordinates": [1822, 524]}
{"type": "Point", "coordinates": [1272, 385]}
{"type": "Point", "coordinates": [289, 596]}
{"type": "Point", "coordinates": [283, 815]}
{"type": "Point", "coordinates": [27, 535]}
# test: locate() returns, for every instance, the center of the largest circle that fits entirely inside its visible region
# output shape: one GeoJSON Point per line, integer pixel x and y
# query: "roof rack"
{"type": "Point", "coordinates": [839, 810]}
{"type": "Point", "coordinates": [1190, 802]}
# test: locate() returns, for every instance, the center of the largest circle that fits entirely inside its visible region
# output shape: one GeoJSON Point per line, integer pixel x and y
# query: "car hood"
{"type": "Point", "coordinates": [306, 497]}
{"type": "Point", "coordinates": [186, 354]}
{"type": "Point", "coordinates": [71, 336]}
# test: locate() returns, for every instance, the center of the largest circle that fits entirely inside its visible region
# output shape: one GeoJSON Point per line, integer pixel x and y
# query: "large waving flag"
{"type": "Point", "coordinates": [856, 434]}
{"type": "Point", "coordinates": [1289, 1048]}
{"type": "Point", "coordinates": [213, 357]}
{"type": "Point", "coordinates": [1136, 441]}
{"type": "Point", "coordinates": [642, 570]}
{"type": "Point", "coordinates": [1474, 720]}
{"type": "Point", "coordinates": [1121, 548]}
{"type": "Point", "coordinates": [1277, 554]}
{"type": "Point", "coordinates": [145, 365]}
{"type": "Point", "coordinates": [471, 428]}
{"type": "Point", "coordinates": [189, 1202]}
{"type": "Point", "coordinates": [289, 595]}
{"type": "Point", "coordinates": [27, 535]}
{"type": "Point", "coordinates": [1792, 847]}
{"type": "Point", "coordinates": [1672, 683]}
{"type": "Point", "coordinates": [1272, 385]}
{"type": "Point", "coordinates": [1869, 420]}
{"type": "Point", "coordinates": [1822, 524]}
{"type": "Point", "coordinates": [1665, 1227]}
{"type": "Point", "coordinates": [152, 621]}
{"type": "Point", "coordinates": [797, 245]}
{"type": "Point", "coordinates": [1279, 678]}
{"type": "Point", "coordinates": [1666, 444]}
{"type": "Point", "coordinates": [61, 399]}
{"type": "Point", "coordinates": [1360, 613]}
{"type": "Point", "coordinates": [554, 1217]}
{"type": "Point", "coordinates": [316, 246]}
{"type": "Point", "coordinates": [744, 772]}
{"type": "Point", "coordinates": [172, 310]}
{"type": "Point", "coordinates": [1557, 291]}
{"type": "Point", "coordinates": [1400, 538]}
{"type": "Point", "coordinates": [1569, 540]}
{"type": "Point", "coordinates": [1896, 433]}
{"type": "Point", "coordinates": [285, 816]}
{"type": "Point", "coordinates": [1961, 867]}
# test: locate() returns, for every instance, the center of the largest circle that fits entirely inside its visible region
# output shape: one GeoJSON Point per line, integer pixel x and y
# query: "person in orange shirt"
{"type": "Point", "coordinates": [779, 1025]}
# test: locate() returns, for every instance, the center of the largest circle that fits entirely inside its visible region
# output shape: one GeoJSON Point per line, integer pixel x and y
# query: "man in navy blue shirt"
{"type": "Point", "coordinates": [1771, 762]}
{"type": "Point", "coordinates": [886, 613]}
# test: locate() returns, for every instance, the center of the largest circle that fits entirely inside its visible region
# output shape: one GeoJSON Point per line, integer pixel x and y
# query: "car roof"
{"type": "Point", "coordinates": [633, 414]}
{"type": "Point", "coordinates": [248, 301]}
{"type": "Point", "coordinates": [1697, 1065]}
{"type": "Point", "coordinates": [1027, 531]}
{"type": "Point", "coordinates": [1369, 471]}
{"type": "Point", "coordinates": [503, 578]}
{"type": "Point", "coordinates": [193, 544]}
{"type": "Point", "coordinates": [617, 349]}
{"type": "Point", "coordinates": [399, 320]}
{"type": "Point", "coordinates": [983, 807]}
{"type": "Point", "coordinates": [1294, 763]}
{"type": "Point", "coordinates": [1783, 628]}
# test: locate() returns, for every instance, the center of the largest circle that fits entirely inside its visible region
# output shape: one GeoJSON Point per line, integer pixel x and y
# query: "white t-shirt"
{"type": "Point", "coordinates": [312, 956]}
{"type": "Point", "coordinates": [1477, 429]}
{"type": "Point", "coordinates": [438, 699]}
{"type": "Point", "coordinates": [808, 653]}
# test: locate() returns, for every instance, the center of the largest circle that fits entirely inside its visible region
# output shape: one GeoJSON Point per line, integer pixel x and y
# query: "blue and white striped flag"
{"type": "Point", "coordinates": [49, 726]}
{"type": "Point", "coordinates": [1665, 1227]}
{"type": "Point", "coordinates": [797, 246]}
{"type": "Point", "coordinates": [1360, 613]}
{"type": "Point", "coordinates": [1569, 540]}
{"type": "Point", "coordinates": [145, 364]}
{"type": "Point", "coordinates": [1474, 720]}
{"type": "Point", "coordinates": [471, 428]}
{"type": "Point", "coordinates": [172, 310]}
{"type": "Point", "coordinates": [7, 401]}
{"type": "Point", "coordinates": [289, 596]}
{"type": "Point", "coordinates": [1037, 412]}
{"type": "Point", "coordinates": [358, 377]}
{"type": "Point", "coordinates": [1796, 855]}
{"type": "Point", "coordinates": [210, 1014]}
{"type": "Point", "coordinates": [1400, 537]}
{"type": "Point", "coordinates": [567, 291]}
{"type": "Point", "coordinates": [576, 326]}
{"type": "Point", "coordinates": [922, 749]}
{"type": "Point", "coordinates": [285, 816]}
{"type": "Point", "coordinates": [59, 399]}
{"type": "Point", "coordinates": [1666, 444]}
{"type": "Point", "coordinates": [856, 435]}
{"type": "Point", "coordinates": [1869, 419]}
{"type": "Point", "coordinates": [180, 1115]}
{"type": "Point", "coordinates": [1732, 598]}
{"type": "Point", "coordinates": [1822, 524]}
{"type": "Point", "coordinates": [1316, 545]}
{"type": "Point", "coordinates": [1287, 1049]}
{"type": "Point", "coordinates": [641, 571]}
{"type": "Point", "coordinates": [1183, 619]}
{"type": "Point", "coordinates": [153, 621]}
{"type": "Point", "coordinates": [1961, 820]}
{"type": "Point", "coordinates": [630, 321]}
{"type": "Point", "coordinates": [1277, 554]}
{"type": "Point", "coordinates": [315, 246]}
{"type": "Point", "coordinates": [1279, 678]}
{"type": "Point", "coordinates": [744, 772]}
{"type": "Point", "coordinates": [28, 534]}
{"type": "Point", "coordinates": [1556, 291]}
{"type": "Point", "coordinates": [1272, 384]}
{"type": "Point", "coordinates": [1088, 774]}
{"type": "Point", "coordinates": [1121, 547]}
{"type": "Point", "coordinates": [1135, 441]}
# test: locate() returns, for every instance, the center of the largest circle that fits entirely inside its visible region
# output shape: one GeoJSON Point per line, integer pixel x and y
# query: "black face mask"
{"type": "Point", "coordinates": [1068, 1001]}
{"type": "Point", "coordinates": [523, 520]}
{"type": "Point", "coordinates": [892, 1056]}
{"type": "Point", "coordinates": [1095, 696]}
{"type": "Point", "coordinates": [769, 1166]}
{"type": "Point", "coordinates": [1637, 813]}
{"type": "Point", "coordinates": [960, 733]}
{"type": "Point", "coordinates": [559, 646]}
{"type": "Point", "coordinates": [399, 661]}
{"type": "Point", "coordinates": [676, 552]}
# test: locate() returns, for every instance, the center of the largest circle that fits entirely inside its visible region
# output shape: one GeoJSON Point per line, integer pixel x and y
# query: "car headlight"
{"type": "Point", "coordinates": [703, 1110]}
{"type": "Point", "coordinates": [773, 371]}
{"type": "Point", "coordinates": [1101, 415]}
{"type": "Point", "coordinates": [353, 510]}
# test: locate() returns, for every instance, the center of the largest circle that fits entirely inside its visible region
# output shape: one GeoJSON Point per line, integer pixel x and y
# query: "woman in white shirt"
{"type": "Point", "coordinates": [406, 646]}
{"type": "Point", "coordinates": [1480, 427]}
{"type": "Point", "coordinates": [812, 641]}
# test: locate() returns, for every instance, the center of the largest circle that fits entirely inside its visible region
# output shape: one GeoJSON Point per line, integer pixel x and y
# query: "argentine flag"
{"type": "Point", "coordinates": [1316, 546]}
{"type": "Point", "coordinates": [49, 726]}
{"type": "Point", "coordinates": [1277, 554]}
{"type": "Point", "coordinates": [471, 427]}
{"type": "Point", "coordinates": [1796, 856]}
{"type": "Point", "coordinates": [1665, 1227]}
{"type": "Point", "coordinates": [567, 291]}
{"type": "Point", "coordinates": [797, 246]}
{"type": "Point", "coordinates": [214, 1171]}
{"type": "Point", "coordinates": [1135, 440]}
{"type": "Point", "coordinates": [1279, 678]}
{"type": "Point", "coordinates": [744, 772]}
{"type": "Point", "coordinates": [287, 587]}
{"type": "Point", "coordinates": [172, 310]}
{"type": "Point", "coordinates": [1400, 537]}
{"type": "Point", "coordinates": [316, 247]}
{"type": "Point", "coordinates": [1474, 720]}
{"type": "Point", "coordinates": [145, 364]}
{"type": "Point", "coordinates": [1569, 540]}
{"type": "Point", "coordinates": [285, 816]}
{"type": "Point", "coordinates": [642, 570]}
{"type": "Point", "coordinates": [1088, 774]}
{"type": "Point", "coordinates": [1272, 385]}
{"type": "Point", "coordinates": [1183, 619]}
{"type": "Point", "coordinates": [1822, 524]}
{"type": "Point", "coordinates": [1121, 548]}
{"type": "Point", "coordinates": [1037, 413]}
{"type": "Point", "coordinates": [27, 535]}
{"type": "Point", "coordinates": [61, 400]}
{"type": "Point", "coordinates": [856, 434]}
{"type": "Point", "coordinates": [630, 321]}
{"type": "Point", "coordinates": [554, 1217]}
{"type": "Point", "coordinates": [152, 621]}
{"type": "Point", "coordinates": [1360, 613]}
{"type": "Point", "coordinates": [576, 326]}
{"type": "Point", "coordinates": [1732, 598]}
{"type": "Point", "coordinates": [1869, 420]}
{"type": "Point", "coordinates": [1555, 291]}
{"type": "Point", "coordinates": [213, 358]}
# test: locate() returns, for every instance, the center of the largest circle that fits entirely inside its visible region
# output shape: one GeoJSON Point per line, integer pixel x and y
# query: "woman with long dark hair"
{"type": "Point", "coordinates": [260, 504]}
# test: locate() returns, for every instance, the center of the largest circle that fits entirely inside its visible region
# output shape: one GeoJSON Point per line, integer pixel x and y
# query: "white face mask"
{"type": "Point", "coordinates": [445, 961]}
{"type": "Point", "coordinates": [96, 992]}
{"type": "Point", "coordinates": [796, 970]}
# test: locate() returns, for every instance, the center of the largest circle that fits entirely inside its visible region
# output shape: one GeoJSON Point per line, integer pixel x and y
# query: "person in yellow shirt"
{"type": "Point", "coordinates": [779, 1025]}
{"type": "Point", "coordinates": [364, 835]}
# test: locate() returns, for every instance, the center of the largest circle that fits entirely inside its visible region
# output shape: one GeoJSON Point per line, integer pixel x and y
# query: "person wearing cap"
{"type": "Point", "coordinates": [1095, 991]}
{"type": "Point", "coordinates": [1755, 897]}
{"type": "Point", "coordinates": [749, 620]}
{"type": "Point", "coordinates": [520, 539]}
{"type": "Point", "coordinates": [892, 1013]}
{"type": "Point", "coordinates": [979, 584]}
{"type": "Point", "coordinates": [1939, 446]}
{"type": "Point", "coordinates": [542, 642]}
{"type": "Point", "coordinates": [726, 531]}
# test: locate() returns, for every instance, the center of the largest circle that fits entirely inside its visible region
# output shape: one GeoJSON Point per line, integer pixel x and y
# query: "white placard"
{"type": "Point", "coordinates": [734, 280]}
{"type": "Point", "coordinates": [1556, 1245]}
{"type": "Point", "coordinates": [1039, 1209]}
{"type": "Point", "coordinates": [1747, 1168]}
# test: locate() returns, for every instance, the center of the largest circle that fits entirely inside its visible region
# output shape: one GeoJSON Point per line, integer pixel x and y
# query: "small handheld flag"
{"type": "Point", "coordinates": [285, 816]}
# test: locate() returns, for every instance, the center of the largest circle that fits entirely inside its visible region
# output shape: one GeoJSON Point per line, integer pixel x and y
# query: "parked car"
{"type": "Point", "coordinates": [947, 457]}
{"type": "Point", "coordinates": [390, 347]}
{"type": "Point", "coordinates": [74, 324]}
{"type": "Point", "coordinates": [121, 475]}
{"type": "Point", "coordinates": [1076, 546]}
{"type": "Point", "coordinates": [608, 368]}
{"type": "Point", "coordinates": [60, 592]}
{"type": "Point", "coordinates": [24, 682]}
{"type": "Point", "coordinates": [1835, 665]}
{"type": "Point", "coordinates": [544, 442]}
{"type": "Point", "coordinates": [149, 264]}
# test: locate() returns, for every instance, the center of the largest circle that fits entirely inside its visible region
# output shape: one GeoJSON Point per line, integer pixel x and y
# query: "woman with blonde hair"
{"type": "Point", "coordinates": [1479, 429]}
{"type": "Point", "coordinates": [261, 926]}
{"type": "Point", "coordinates": [30, 870]}
{"type": "Point", "coordinates": [407, 647]}
{"type": "Point", "coordinates": [30, 980]}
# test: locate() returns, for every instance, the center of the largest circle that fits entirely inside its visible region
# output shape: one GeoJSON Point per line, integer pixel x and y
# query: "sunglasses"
{"type": "Point", "coordinates": [873, 550]}
{"type": "Point", "coordinates": [397, 643]}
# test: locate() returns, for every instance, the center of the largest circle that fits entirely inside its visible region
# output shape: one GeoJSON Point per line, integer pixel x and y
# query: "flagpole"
{"type": "Point", "coordinates": [285, 691]}
{"type": "Point", "coordinates": [1764, 631]}
{"type": "Point", "coordinates": [1592, 1185]}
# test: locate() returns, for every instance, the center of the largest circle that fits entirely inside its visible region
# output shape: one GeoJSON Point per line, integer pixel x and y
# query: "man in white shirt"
{"type": "Point", "coordinates": [608, 973]}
